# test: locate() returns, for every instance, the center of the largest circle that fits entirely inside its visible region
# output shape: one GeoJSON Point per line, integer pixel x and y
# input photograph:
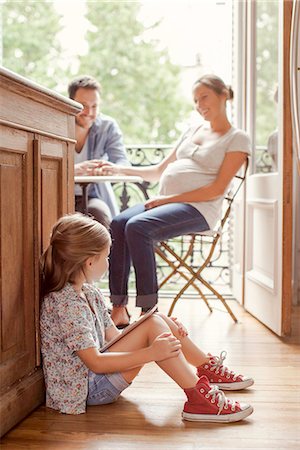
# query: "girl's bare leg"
{"type": "Point", "coordinates": [192, 353]}
{"type": "Point", "coordinates": [177, 368]}
{"type": "Point", "coordinates": [198, 406]}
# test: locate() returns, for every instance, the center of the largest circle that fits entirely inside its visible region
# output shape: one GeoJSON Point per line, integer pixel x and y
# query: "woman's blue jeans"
{"type": "Point", "coordinates": [134, 234]}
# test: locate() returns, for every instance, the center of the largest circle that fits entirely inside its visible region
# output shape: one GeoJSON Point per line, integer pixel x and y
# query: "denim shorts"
{"type": "Point", "coordinates": [105, 388]}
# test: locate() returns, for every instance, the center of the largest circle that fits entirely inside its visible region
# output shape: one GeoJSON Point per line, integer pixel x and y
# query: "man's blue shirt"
{"type": "Point", "coordinates": [105, 141]}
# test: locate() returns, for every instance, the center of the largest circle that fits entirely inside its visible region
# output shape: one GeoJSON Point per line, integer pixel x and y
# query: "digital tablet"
{"type": "Point", "coordinates": [128, 329]}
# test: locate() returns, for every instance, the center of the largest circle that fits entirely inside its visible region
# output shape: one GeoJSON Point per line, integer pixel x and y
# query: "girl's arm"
{"type": "Point", "coordinates": [148, 173]}
{"type": "Point", "coordinates": [230, 166]}
{"type": "Point", "coordinates": [165, 346]}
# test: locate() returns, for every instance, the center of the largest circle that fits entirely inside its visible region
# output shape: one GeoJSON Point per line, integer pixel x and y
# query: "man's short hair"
{"type": "Point", "coordinates": [83, 81]}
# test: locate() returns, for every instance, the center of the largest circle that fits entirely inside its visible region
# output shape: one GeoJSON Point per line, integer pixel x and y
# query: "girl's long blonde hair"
{"type": "Point", "coordinates": [74, 238]}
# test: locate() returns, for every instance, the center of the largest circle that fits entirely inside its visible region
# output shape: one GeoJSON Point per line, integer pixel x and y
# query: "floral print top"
{"type": "Point", "coordinates": [69, 323]}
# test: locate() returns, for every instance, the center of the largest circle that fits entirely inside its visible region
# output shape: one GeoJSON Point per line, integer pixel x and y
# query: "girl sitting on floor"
{"type": "Point", "coordinates": [75, 324]}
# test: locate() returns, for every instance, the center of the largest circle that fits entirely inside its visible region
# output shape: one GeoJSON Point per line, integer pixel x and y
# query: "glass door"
{"type": "Point", "coordinates": [263, 88]}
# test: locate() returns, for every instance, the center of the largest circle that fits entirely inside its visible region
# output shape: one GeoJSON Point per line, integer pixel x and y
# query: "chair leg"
{"type": "Point", "coordinates": [189, 283]}
{"type": "Point", "coordinates": [174, 271]}
{"type": "Point", "coordinates": [183, 275]}
{"type": "Point", "coordinates": [181, 263]}
{"type": "Point", "coordinates": [219, 296]}
{"type": "Point", "coordinates": [195, 276]}
{"type": "Point", "coordinates": [174, 268]}
{"type": "Point", "coordinates": [216, 293]}
{"type": "Point", "coordinates": [183, 290]}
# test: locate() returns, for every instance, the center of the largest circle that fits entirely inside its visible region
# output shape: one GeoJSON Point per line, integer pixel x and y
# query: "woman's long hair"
{"type": "Point", "coordinates": [74, 238]}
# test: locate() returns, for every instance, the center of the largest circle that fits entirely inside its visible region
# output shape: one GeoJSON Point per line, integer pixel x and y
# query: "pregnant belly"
{"type": "Point", "coordinates": [179, 182]}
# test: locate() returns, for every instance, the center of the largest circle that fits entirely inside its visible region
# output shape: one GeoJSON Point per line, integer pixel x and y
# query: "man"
{"type": "Point", "coordinates": [98, 139]}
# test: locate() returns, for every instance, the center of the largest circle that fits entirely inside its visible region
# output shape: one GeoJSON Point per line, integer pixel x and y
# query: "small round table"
{"type": "Point", "coordinates": [86, 180]}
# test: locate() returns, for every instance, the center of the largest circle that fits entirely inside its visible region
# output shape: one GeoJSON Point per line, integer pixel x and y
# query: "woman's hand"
{"type": "Point", "coordinates": [157, 201]}
{"type": "Point", "coordinates": [181, 328]}
{"type": "Point", "coordinates": [165, 346]}
{"type": "Point", "coordinates": [109, 168]}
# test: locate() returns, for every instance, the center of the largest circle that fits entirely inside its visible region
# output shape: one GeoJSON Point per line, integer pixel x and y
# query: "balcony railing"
{"type": "Point", "coordinates": [264, 162]}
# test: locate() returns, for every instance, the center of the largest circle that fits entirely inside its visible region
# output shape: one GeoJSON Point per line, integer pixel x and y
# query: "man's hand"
{"type": "Point", "coordinates": [88, 167]}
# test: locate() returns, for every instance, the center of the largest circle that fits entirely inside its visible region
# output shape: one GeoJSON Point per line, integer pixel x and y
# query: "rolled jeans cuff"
{"type": "Point", "coordinates": [119, 300]}
{"type": "Point", "coordinates": [146, 301]}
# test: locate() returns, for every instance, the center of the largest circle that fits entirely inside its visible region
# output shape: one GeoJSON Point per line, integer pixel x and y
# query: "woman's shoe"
{"type": "Point", "coordinates": [121, 326]}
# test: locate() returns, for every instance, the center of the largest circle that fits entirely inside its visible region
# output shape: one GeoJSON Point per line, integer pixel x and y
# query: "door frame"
{"type": "Point", "coordinates": [287, 167]}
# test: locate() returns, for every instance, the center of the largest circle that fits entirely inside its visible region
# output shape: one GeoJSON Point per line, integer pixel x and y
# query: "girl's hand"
{"type": "Point", "coordinates": [181, 328]}
{"type": "Point", "coordinates": [157, 201]}
{"type": "Point", "coordinates": [165, 346]}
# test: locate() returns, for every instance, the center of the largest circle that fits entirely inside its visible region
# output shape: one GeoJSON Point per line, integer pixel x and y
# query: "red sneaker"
{"type": "Point", "coordinates": [221, 376]}
{"type": "Point", "coordinates": [208, 404]}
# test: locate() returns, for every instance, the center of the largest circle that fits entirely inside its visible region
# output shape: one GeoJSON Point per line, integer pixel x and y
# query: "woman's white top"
{"type": "Point", "coordinates": [198, 165]}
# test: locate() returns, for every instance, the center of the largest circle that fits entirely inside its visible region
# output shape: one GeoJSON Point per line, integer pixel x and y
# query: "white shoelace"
{"type": "Point", "coordinates": [222, 400]}
{"type": "Point", "coordinates": [217, 365]}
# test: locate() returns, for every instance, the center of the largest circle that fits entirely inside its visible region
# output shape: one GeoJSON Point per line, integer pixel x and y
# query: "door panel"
{"type": "Point", "coordinates": [17, 351]}
{"type": "Point", "coordinates": [50, 198]}
{"type": "Point", "coordinates": [53, 182]}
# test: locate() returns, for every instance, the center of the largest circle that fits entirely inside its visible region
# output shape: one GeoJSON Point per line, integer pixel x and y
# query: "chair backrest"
{"type": "Point", "coordinates": [238, 181]}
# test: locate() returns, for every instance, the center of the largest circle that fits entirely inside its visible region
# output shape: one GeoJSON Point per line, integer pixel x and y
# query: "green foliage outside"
{"type": "Point", "coordinates": [267, 69]}
{"type": "Point", "coordinates": [30, 45]}
{"type": "Point", "coordinates": [140, 84]}
{"type": "Point", "coordinates": [141, 87]}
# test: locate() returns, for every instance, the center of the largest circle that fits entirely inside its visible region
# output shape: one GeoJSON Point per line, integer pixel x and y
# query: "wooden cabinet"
{"type": "Point", "coordinates": [37, 130]}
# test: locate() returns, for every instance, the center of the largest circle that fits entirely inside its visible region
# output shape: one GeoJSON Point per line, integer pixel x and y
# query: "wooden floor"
{"type": "Point", "coordinates": [148, 415]}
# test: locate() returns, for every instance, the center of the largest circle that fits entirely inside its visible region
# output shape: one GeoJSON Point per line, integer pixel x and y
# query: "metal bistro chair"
{"type": "Point", "coordinates": [179, 264]}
